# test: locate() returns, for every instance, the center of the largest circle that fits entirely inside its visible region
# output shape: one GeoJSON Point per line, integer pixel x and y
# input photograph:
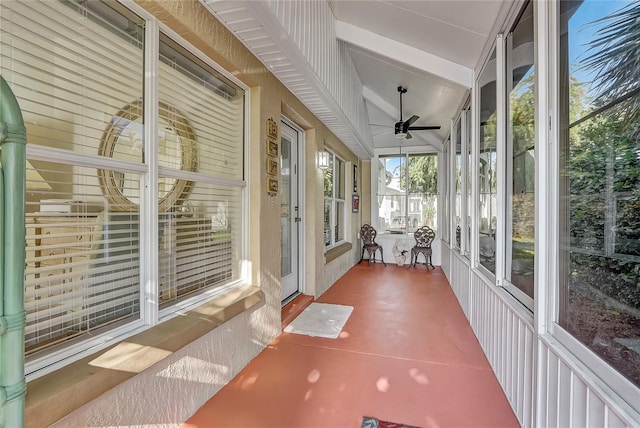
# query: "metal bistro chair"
{"type": "Point", "coordinates": [368, 236]}
{"type": "Point", "coordinates": [424, 237]}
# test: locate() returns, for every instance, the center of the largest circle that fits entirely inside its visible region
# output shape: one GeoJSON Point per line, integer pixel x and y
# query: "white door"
{"type": "Point", "coordinates": [290, 211]}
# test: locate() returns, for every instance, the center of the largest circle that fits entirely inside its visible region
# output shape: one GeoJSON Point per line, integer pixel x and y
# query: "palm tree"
{"type": "Point", "coordinates": [615, 60]}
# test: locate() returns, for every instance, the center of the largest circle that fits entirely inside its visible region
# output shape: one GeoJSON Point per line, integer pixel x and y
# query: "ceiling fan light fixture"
{"type": "Point", "coordinates": [400, 135]}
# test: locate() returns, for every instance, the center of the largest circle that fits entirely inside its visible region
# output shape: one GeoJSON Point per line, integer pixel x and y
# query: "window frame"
{"type": "Point", "coordinates": [445, 188]}
{"type": "Point", "coordinates": [507, 163]}
{"type": "Point", "coordinates": [456, 134]}
{"type": "Point", "coordinates": [336, 200]}
{"type": "Point", "coordinates": [150, 313]}
{"type": "Point", "coordinates": [375, 191]}
{"type": "Point", "coordinates": [548, 187]}
{"type": "Point", "coordinates": [496, 51]}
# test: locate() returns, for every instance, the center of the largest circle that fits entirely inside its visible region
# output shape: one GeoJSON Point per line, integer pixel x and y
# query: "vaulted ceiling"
{"type": "Point", "coordinates": [428, 47]}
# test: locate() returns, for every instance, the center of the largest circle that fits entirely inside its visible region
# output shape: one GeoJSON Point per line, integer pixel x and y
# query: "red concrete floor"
{"type": "Point", "coordinates": [407, 355]}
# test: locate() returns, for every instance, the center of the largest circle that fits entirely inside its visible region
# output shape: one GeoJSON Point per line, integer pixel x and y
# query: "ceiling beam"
{"type": "Point", "coordinates": [382, 104]}
{"type": "Point", "coordinates": [405, 54]}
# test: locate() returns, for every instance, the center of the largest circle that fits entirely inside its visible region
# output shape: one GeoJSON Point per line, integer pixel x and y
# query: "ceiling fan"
{"type": "Point", "coordinates": [402, 128]}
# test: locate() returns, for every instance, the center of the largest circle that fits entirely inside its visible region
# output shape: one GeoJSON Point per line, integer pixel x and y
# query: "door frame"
{"type": "Point", "coordinates": [302, 212]}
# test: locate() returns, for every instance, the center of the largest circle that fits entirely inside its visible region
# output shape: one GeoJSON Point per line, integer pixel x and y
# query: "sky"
{"type": "Point", "coordinates": [581, 31]}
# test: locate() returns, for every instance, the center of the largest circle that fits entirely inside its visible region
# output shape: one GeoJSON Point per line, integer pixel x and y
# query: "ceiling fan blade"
{"type": "Point", "coordinates": [408, 122]}
{"type": "Point", "coordinates": [381, 133]}
{"type": "Point", "coordinates": [423, 128]}
{"type": "Point", "coordinates": [377, 124]}
{"type": "Point", "coordinates": [409, 136]}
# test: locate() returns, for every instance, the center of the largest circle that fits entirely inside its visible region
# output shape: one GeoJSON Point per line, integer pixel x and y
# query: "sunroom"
{"type": "Point", "coordinates": [192, 167]}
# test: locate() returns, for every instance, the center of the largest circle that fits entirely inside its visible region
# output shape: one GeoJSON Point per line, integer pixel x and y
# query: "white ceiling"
{"type": "Point", "coordinates": [430, 47]}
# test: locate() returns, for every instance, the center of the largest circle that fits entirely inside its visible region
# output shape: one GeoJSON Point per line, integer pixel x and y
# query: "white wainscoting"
{"type": "Point", "coordinates": [388, 240]}
{"type": "Point", "coordinates": [567, 395]}
{"type": "Point", "coordinates": [573, 399]}
{"type": "Point", "coordinates": [445, 259]}
{"type": "Point", "coordinates": [508, 343]}
{"type": "Point", "coordinates": [459, 279]}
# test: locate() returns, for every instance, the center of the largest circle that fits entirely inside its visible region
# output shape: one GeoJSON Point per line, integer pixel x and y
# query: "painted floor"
{"type": "Point", "coordinates": [407, 355]}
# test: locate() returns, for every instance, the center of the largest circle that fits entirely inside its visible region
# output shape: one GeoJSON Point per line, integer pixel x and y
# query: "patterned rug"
{"type": "Point", "coordinates": [369, 422]}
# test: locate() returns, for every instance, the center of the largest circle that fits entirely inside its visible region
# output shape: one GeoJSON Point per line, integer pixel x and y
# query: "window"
{"type": "Point", "coordinates": [599, 184]}
{"type": "Point", "coordinates": [488, 168]}
{"type": "Point", "coordinates": [77, 69]}
{"type": "Point", "coordinates": [82, 256]}
{"type": "Point", "coordinates": [334, 202]}
{"type": "Point", "coordinates": [520, 160]}
{"type": "Point", "coordinates": [446, 237]}
{"type": "Point", "coordinates": [201, 243]}
{"type": "Point", "coordinates": [404, 208]}
{"type": "Point", "coordinates": [457, 226]}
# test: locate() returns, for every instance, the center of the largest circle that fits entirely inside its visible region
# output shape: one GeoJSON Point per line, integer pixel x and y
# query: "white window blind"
{"type": "Point", "coordinates": [334, 202]}
{"type": "Point", "coordinates": [201, 229]}
{"type": "Point", "coordinates": [73, 67]}
{"type": "Point", "coordinates": [82, 258]}
{"type": "Point", "coordinates": [70, 68]}
{"type": "Point", "coordinates": [210, 105]}
{"type": "Point", "coordinates": [78, 71]}
{"type": "Point", "coordinates": [200, 242]}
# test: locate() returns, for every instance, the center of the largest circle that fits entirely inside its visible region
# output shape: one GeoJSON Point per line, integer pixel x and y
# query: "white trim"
{"type": "Point", "coordinates": [374, 192]}
{"type": "Point", "coordinates": [301, 163]}
{"type": "Point", "coordinates": [443, 192]}
{"type": "Point", "coordinates": [67, 157]}
{"type": "Point", "coordinates": [149, 263]}
{"type": "Point", "coordinates": [411, 150]}
{"type": "Point", "coordinates": [501, 148]}
{"type": "Point", "coordinates": [617, 391]}
{"type": "Point", "coordinates": [475, 190]}
{"type": "Point", "coordinates": [452, 181]}
{"type": "Point", "coordinates": [467, 220]}
{"type": "Point", "coordinates": [245, 268]}
{"type": "Point", "coordinates": [202, 178]}
{"type": "Point", "coordinates": [334, 199]}
{"type": "Point", "coordinates": [198, 54]}
{"type": "Point", "coordinates": [546, 167]}
{"type": "Point", "coordinates": [452, 178]}
{"type": "Point", "coordinates": [508, 162]}
{"type": "Point", "coordinates": [389, 48]}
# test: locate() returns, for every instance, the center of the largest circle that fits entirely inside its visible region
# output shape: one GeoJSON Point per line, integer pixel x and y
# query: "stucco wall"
{"type": "Point", "coordinates": [174, 388]}
{"type": "Point", "coordinates": [169, 392]}
{"type": "Point", "coordinates": [338, 267]}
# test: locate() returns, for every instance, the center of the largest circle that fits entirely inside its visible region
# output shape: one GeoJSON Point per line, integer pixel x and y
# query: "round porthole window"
{"type": "Point", "coordinates": [123, 139]}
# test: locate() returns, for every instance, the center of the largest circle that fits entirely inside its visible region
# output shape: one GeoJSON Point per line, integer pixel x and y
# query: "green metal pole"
{"type": "Point", "coordinates": [13, 147]}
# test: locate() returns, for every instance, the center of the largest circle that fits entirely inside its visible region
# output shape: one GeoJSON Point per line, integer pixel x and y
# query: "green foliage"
{"type": "Point", "coordinates": [603, 166]}
{"type": "Point", "coordinates": [423, 174]}
{"type": "Point", "coordinates": [615, 58]}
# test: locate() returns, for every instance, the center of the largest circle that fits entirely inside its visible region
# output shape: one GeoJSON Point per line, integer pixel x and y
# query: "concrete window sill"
{"type": "Point", "coordinates": [55, 395]}
{"type": "Point", "coordinates": [336, 252]}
